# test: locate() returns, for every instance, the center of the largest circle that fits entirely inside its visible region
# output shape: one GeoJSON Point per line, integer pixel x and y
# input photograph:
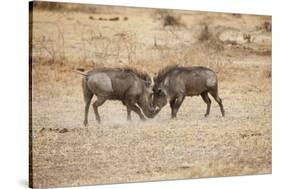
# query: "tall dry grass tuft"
{"type": "Point", "coordinates": [204, 33]}
{"type": "Point", "coordinates": [204, 54]}
{"type": "Point", "coordinates": [168, 18]}
{"type": "Point", "coordinates": [51, 48]}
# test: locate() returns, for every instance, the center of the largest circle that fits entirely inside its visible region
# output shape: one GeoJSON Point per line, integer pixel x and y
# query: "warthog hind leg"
{"type": "Point", "coordinates": [96, 104]}
{"type": "Point", "coordinates": [208, 101]}
{"type": "Point", "coordinates": [87, 105]}
{"type": "Point", "coordinates": [87, 99]}
{"type": "Point", "coordinates": [214, 94]}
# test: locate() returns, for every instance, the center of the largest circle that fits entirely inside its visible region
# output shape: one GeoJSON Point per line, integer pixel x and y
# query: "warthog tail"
{"type": "Point", "coordinates": [81, 71]}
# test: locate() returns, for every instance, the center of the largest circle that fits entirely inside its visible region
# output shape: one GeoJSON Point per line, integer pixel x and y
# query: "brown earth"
{"type": "Point", "coordinates": [65, 153]}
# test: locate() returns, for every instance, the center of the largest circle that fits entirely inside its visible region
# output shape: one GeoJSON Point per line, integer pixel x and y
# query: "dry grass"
{"type": "Point", "coordinates": [65, 153]}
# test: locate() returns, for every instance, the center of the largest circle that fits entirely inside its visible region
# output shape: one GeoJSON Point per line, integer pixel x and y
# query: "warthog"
{"type": "Point", "coordinates": [129, 86]}
{"type": "Point", "coordinates": [174, 83]}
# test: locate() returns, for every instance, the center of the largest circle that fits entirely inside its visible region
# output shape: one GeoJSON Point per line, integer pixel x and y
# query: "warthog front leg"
{"type": "Point", "coordinates": [129, 118]}
{"type": "Point", "coordinates": [131, 106]}
{"type": "Point", "coordinates": [176, 105]}
{"type": "Point", "coordinates": [96, 104]}
{"type": "Point", "coordinates": [137, 110]}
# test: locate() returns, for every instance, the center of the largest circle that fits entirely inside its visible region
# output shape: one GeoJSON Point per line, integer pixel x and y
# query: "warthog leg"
{"type": "Point", "coordinates": [214, 94]}
{"type": "Point", "coordinates": [172, 104]}
{"type": "Point", "coordinates": [88, 95]}
{"type": "Point", "coordinates": [208, 101]}
{"type": "Point", "coordinates": [131, 106]}
{"type": "Point", "coordinates": [138, 111]}
{"type": "Point", "coordinates": [129, 113]}
{"type": "Point", "coordinates": [87, 105]}
{"type": "Point", "coordinates": [96, 104]}
{"type": "Point", "coordinates": [176, 105]}
{"type": "Point", "coordinates": [129, 118]}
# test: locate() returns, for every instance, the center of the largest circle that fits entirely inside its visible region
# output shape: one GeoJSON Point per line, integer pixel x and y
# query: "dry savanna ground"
{"type": "Point", "coordinates": [65, 153]}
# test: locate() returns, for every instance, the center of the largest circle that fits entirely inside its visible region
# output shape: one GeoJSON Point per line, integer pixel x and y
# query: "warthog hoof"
{"type": "Point", "coordinates": [143, 118]}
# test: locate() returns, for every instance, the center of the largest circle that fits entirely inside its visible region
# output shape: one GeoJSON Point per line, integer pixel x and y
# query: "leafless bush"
{"type": "Point", "coordinates": [236, 15]}
{"type": "Point", "coordinates": [102, 19]}
{"type": "Point", "coordinates": [91, 18]}
{"type": "Point", "coordinates": [101, 49]}
{"type": "Point", "coordinates": [126, 42]}
{"type": "Point", "coordinates": [247, 37]}
{"type": "Point", "coordinates": [167, 18]}
{"type": "Point", "coordinates": [114, 18]}
{"type": "Point", "coordinates": [267, 73]}
{"type": "Point", "coordinates": [170, 20]}
{"type": "Point", "coordinates": [267, 26]}
{"type": "Point", "coordinates": [204, 34]}
{"type": "Point", "coordinates": [58, 6]}
{"type": "Point", "coordinates": [204, 55]}
{"type": "Point", "coordinates": [52, 49]}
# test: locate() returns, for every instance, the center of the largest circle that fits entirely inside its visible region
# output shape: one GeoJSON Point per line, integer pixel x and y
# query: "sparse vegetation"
{"type": "Point", "coordinates": [188, 147]}
{"type": "Point", "coordinates": [170, 20]}
{"type": "Point", "coordinates": [204, 34]}
{"type": "Point", "coordinates": [114, 19]}
{"type": "Point", "coordinates": [267, 26]}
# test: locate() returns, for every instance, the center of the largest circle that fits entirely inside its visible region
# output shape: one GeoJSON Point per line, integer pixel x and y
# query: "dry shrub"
{"type": "Point", "coordinates": [58, 6]}
{"type": "Point", "coordinates": [204, 34]}
{"type": "Point", "coordinates": [267, 74]}
{"type": "Point", "coordinates": [50, 6]}
{"type": "Point", "coordinates": [267, 26]}
{"type": "Point", "coordinates": [247, 37]}
{"type": "Point", "coordinates": [102, 19]}
{"type": "Point", "coordinates": [167, 18]}
{"type": "Point", "coordinates": [99, 48]}
{"type": "Point", "coordinates": [170, 20]}
{"type": "Point", "coordinates": [114, 18]}
{"type": "Point", "coordinates": [210, 36]}
{"type": "Point", "coordinates": [205, 55]}
{"type": "Point", "coordinates": [263, 52]}
{"type": "Point", "coordinates": [236, 15]}
{"type": "Point", "coordinates": [52, 48]}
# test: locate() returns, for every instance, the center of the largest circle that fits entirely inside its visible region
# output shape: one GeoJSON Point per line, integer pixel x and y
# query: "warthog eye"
{"type": "Point", "coordinates": [159, 92]}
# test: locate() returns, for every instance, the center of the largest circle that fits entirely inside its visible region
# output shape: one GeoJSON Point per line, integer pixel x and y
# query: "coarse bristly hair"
{"type": "Point", "coordinates": [141, 74]}
{"type": "Point", "coordinates": [163, 72]}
